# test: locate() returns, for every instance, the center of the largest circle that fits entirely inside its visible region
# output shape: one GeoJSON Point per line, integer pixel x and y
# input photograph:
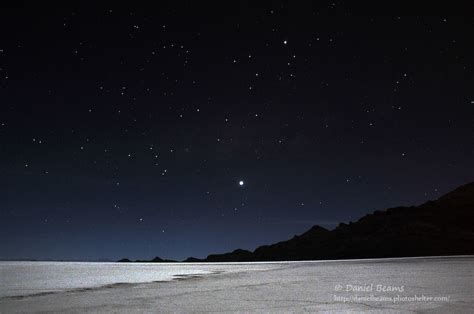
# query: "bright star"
{"type": "Point", "coordinates": [241, 183]}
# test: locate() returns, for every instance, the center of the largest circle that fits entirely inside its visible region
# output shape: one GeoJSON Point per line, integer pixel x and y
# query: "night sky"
{"type": "Point", "coordinates": [191, 129]}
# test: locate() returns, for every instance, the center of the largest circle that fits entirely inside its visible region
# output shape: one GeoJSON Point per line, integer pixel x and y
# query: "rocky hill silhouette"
{"type": "Point", "coordinates": [441, 227]}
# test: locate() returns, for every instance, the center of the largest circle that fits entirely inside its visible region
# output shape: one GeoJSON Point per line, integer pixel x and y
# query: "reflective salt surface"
{"type": "Point", "coordinates": [439, 285]}
{"type": "Point", "coordinates": [26, 278]}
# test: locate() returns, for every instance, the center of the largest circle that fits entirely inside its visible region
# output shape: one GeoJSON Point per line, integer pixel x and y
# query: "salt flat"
{"type": "Point", "coordinates": [443, 284]}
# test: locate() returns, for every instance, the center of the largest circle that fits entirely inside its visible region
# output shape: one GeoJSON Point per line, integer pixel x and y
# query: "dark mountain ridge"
{"type": "Point", "coordinates": [441, 227]}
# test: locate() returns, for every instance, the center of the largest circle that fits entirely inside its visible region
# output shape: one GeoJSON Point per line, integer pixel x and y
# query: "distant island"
{"type": "Point", "coordinates": [155, 260]}
{"type": "Point", "coordinates": [435, 228]}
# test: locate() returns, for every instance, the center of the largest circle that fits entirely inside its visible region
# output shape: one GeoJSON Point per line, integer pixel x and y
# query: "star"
{"type": "Point", "coordinates": [241, 183]}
